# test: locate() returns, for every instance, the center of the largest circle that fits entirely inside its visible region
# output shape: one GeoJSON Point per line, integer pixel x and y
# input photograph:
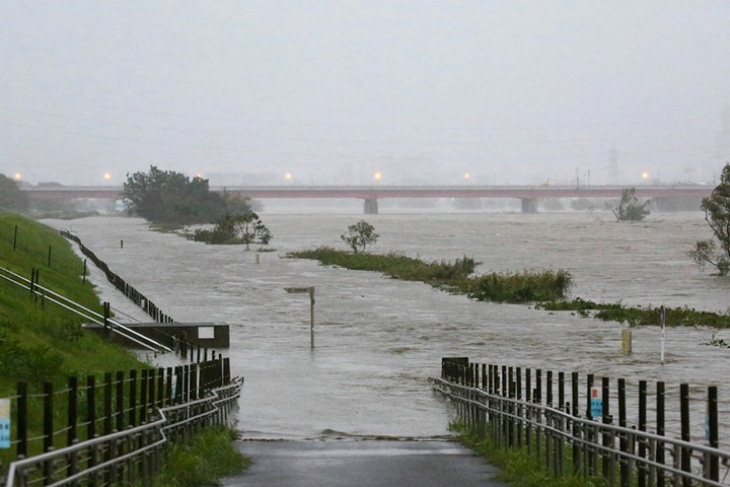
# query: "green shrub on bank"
{"type": "Point", "coordinates": [394, 265]}
{"type": "Point", "coordinates": [521, 287]}
{"type": "Point", "coordinates": [208, 456]}
{"type": "Point", "coordinates": [526, 286]}
{"type": "Point", "coordinates": [638, 316]}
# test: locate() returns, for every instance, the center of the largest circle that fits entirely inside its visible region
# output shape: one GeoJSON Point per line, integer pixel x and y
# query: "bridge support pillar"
{"type": "Point", "coordinates": [371, 207]}
{"type": "Point", "coordinates": [529, 205]}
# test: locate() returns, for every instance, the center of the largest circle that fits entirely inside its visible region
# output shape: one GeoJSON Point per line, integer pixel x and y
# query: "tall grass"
{"type": "Point", "coordinates": [517, 466]}
{"type": "Point", "coordinates": [456, 276]}
{"type": "Point", "coordinates": [208, 456]}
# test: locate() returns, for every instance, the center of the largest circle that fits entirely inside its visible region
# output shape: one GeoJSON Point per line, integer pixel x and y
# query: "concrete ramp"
{"type": "Point", "coordinates": [357, 463]}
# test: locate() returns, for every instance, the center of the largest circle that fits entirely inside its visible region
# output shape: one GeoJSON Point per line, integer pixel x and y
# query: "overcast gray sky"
{"type": "Point", "coordinates": [510, 92]}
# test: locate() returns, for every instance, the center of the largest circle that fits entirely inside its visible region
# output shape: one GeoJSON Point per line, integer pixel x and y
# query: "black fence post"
{"type": "Point", "coordinates": [712, 433]}
{"type": "Point", "coordinates": [15, 238]}
{"type": "Point", "coordinates": [168, 387]}
{"type": "Point", "coordinates": [641, 468]}
{"type": "Point", "coordinates": [73, 389]}
{"type": "Point", "coordinates": [161, 387]}
{"type": "Point", "coordinates": [22, 428]}
{"type": "Point", "coordinates": [178, 384]}
{"type": "Point", "coordinates": [660, 388]}
{"type": "Point", "coordinates": [72, 433]}
{"type": "Point", "coordinates": [574, 388]}
{"type": "Point", "coordinates": [588, 433]}
{"type": "Point", "coordinates": [120, 400]}
{"type": "Point", "coordinates": [623, 443]}
{"type": "Point", "coordinates": [521, 409]}
{"type": "Point", "coordinates": [143, 397]}
{"type": "Point", "coordinates": [133, 398]}
{"type": "Point", "coordinates": [90, 406]}
{"type": "Point", "coordinates": [606, 462]}
{"type": "Point", "coordinates": [48, 430]}
{"type": "Point", "coordinates": [684, 415]}
{"type": "Point", "coordinates": [50, 249]}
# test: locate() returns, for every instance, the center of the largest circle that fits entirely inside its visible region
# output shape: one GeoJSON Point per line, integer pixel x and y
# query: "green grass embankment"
{"type": "Point", "coordinates": [545, 289]}
{"type": "Point", "coordinates": [44, 342]}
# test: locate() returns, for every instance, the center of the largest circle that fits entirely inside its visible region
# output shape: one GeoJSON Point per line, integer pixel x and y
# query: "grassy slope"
{"type": "Point", "coordinates": [45, 342]}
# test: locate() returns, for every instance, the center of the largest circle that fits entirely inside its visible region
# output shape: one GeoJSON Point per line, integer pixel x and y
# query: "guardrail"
{"type": "Point", "coordinates": [79, 446]}
{"type": "Point", "coordinates": [117, 281]}
{"type": "Point", "coordinates": [46, 294]}
{"type": "Point", "coordinates": [501, 404]}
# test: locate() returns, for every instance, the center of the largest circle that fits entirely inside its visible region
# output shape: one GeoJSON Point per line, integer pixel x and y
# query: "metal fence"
{"type": "Point", "coordinates": [120, 434]}
{"type": "Point", "coordinates": [514, 408]}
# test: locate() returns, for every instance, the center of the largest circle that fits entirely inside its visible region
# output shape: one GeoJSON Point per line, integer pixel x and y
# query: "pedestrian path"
{"type": "Point", "coordinates": [359, 463]}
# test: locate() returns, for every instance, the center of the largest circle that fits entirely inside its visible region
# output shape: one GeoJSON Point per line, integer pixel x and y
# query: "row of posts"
{"type": "Point", "coordinates": [130, 291]}
{"type": "Point", "coordinates": [145, 390]}
{"type": "Point", "coordinates": [511, 382]}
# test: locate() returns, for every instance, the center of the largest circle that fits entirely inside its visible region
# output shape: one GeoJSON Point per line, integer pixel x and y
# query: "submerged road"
{"type": "Point", "coordinates": [352, 463]}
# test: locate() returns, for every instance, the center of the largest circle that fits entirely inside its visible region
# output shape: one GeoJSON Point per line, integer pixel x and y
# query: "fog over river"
{"type": "Point", "coordinates": [379, 339]}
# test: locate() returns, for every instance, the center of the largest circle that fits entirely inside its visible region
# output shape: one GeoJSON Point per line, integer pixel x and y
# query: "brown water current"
{"type": "Point", "coordinates": [379, 339]}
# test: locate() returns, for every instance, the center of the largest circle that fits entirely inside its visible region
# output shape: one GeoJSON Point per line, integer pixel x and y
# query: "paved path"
{"type": "Point", "coordinates": [354, 463]}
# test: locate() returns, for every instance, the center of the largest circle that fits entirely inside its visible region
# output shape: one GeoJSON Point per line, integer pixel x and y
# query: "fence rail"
{"type": "Point", "coordinates": [504, 405]}
{"type": "Point", "coordinates": [45, 294]}
{"type": "Point", "coordinates": [120, 433]}
{"type": "Point", "coordinates": [117, 281]}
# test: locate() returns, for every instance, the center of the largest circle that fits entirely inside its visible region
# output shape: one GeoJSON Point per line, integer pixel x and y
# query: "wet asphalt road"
{"type": "Point", "coordinates": [362, 463]}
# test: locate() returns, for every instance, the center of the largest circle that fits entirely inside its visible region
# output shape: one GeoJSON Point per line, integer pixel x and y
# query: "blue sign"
{"type": "Point", "coordinates": [596, 402]}
{"type": "Point", "coordinates": [4, 423]}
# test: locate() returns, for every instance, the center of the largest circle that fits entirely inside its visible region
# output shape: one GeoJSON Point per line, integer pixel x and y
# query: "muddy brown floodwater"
{"type": "Point", "coordinates": [379, 339]}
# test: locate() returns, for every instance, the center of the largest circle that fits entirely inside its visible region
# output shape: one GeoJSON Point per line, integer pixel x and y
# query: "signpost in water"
{"type": "Point", "coordinates": [310, 290]}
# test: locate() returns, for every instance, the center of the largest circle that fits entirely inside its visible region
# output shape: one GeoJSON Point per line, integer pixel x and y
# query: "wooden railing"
{"type": "Point", "coordinates": [113, 431]}
{"type": "Point", "coordinates": [513, 408]}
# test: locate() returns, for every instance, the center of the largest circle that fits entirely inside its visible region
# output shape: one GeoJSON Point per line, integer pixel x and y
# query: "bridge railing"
{"type": "Point", "coordinates": [501, 405]}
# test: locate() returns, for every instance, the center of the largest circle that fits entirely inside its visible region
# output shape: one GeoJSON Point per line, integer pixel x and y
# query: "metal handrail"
{"type": "Point", "coordinates": [460, 393]}
{"type": "Point", "coordinates": [160, 425]}
{"type": "Point", "coordinates": [92, 315]}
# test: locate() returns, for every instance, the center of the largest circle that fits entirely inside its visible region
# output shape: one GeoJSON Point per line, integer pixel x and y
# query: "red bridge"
{"type": "Point", "coordinates": [528, 195]}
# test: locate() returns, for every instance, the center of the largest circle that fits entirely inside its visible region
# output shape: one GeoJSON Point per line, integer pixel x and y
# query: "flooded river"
{"type": "Point", "coordinates": [379, 339]}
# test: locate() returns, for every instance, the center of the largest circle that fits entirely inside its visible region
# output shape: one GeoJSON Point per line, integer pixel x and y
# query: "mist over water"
{"type": "Point", "coordinates": [379, 339]}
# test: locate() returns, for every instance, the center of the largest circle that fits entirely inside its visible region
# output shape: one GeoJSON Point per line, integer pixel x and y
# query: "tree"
{"type": "Point", "coordinates": [171, 197]}
{"type": "Point", "coordinates": [717, 214]}
{"type": "Point", "coordinates": [359, 236]}
{"type": "Point", "coordinates": [11, 197]}
{"type": "Point", "coordinates": [232, 228]}
{"type": "Point", "coordinates": [629, 208]}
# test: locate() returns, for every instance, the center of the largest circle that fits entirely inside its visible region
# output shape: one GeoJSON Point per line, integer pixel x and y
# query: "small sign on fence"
{"type": "Point", "coordinates": [4, 423]}
{"type": "Point", "coordinates": [596, 402]}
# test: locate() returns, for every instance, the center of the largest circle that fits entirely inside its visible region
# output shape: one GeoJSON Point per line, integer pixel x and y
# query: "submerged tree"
{"type": "Point", "coordinates": [171, 197]}
{"type": "Point", "coordinates": [359, 236]}
{"type": "Point", "coordinates": [629, 208]}
{"type": "Point", "coordinates": [717, 214]}
{"type": "Point", "coordinates": [236, 228]}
